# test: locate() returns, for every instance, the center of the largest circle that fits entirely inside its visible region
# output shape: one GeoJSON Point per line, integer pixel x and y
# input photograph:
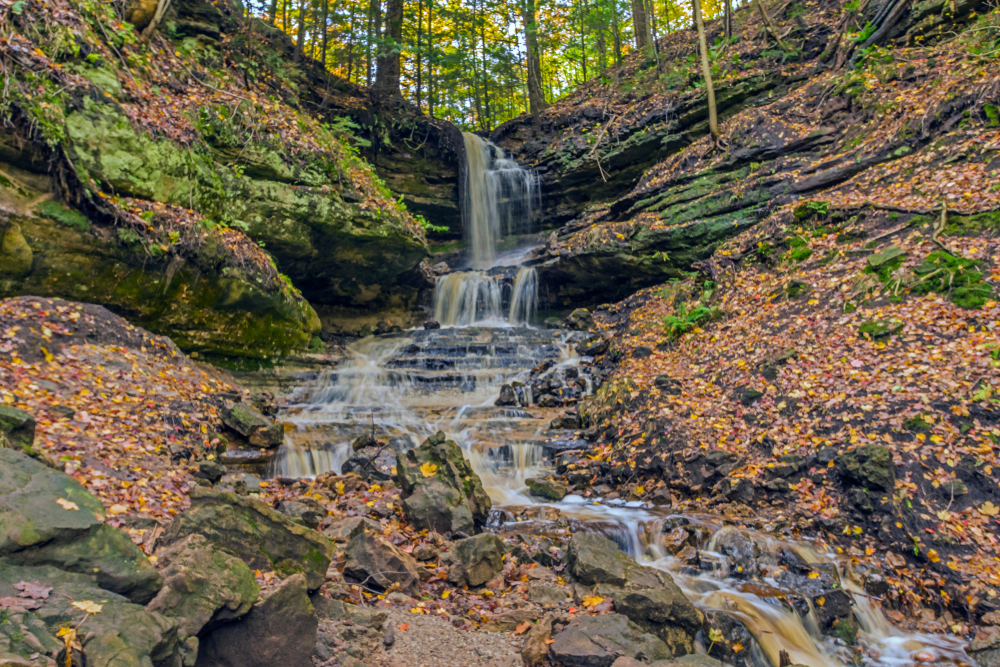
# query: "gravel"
{"type": "Point", "coordinates": [431, 641]}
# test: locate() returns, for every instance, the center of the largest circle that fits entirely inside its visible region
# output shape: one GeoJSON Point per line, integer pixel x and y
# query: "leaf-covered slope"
{"type": "Point", "coordinates": [188, 138]}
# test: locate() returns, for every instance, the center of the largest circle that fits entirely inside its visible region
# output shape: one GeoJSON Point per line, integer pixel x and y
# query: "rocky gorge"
{"type": "Point", "coordinates": [674, 401]}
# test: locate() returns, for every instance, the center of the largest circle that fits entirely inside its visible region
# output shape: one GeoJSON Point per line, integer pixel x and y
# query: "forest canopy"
{"type": "Point", "coordinates": [467, 61]}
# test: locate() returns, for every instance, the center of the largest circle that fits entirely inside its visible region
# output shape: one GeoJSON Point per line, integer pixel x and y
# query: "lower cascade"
{"type": "Point", "coordinates": [478, 297]}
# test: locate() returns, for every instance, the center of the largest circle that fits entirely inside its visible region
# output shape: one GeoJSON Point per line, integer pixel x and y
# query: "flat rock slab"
{"type": "Point", "coordinates": [597, 641]}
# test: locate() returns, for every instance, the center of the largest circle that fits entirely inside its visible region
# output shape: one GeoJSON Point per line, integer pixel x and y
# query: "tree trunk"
{"type": "Point", "coordinates": [350, 45]}
{"type": "Point", "coordinates": [374, 35]}
{"type": "Point", "coordinates": [706, 69]}
{"type": "Point", "coordinates": [618, 34]}
{"type": "Point", "coordinates": [420, 49]}
{"type": "Point", "coordinates": [486, 82]}
{"type": "Point", "coordinates": [640, 24]}
{"type": "Point", "coordinates": [583, 38]}
{"type": "Point", "coordinates": [301, 36]}
{"type": "Point", "coordinates": [387, 77]}
{"type": "Point", "coordinates": [729, 21]}
{"type": "Point", "coordinates": [430, 58]}
{"type": "Point", "coordinates": [653, 37]}
{"type": "Point", "coordinates": [325, 34]}
{"type": "Point", "coordinates": [536, 96]}
{"type": "Point", "coordinates": [272, 11]}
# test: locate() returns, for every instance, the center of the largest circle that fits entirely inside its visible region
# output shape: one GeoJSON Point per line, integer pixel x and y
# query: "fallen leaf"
{"type": "Point", "coordinates": [403, 626]}
{"type": "Point", "coordinates": [592, 600]}
{"type": "Point", "coordinates": [88, 606]}
{"type": "Point", "coordinates": [989, 509]}
{"type": "Point", "coordinates": [521, 629]}
{"type": "Point", "coordinates": [428, 469]}
{"type": "Point", "coordinates": [33, 590]}
{"type": "Point", "coordinates": [68, 505]}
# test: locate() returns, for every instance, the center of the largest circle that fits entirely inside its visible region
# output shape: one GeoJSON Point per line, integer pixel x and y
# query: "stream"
{"type": "Point", "coordinates": [409, 385]}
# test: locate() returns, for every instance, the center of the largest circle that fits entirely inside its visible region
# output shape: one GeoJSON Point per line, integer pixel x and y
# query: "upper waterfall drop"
{"type": "Point", "coordinates": [501, 197]}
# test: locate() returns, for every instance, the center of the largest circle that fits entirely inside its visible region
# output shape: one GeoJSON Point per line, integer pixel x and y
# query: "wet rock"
{"type": "Point", "coordinates": [733, 633]}
{"type": "Point", "coordinates": [507, 396]}
{"type": "Point", "coordinates": [430, 325]}
{"type": "Point", "coordinates": [344, 483]}
{"type": "Point", "coordinates": [593, 346]}
{"type": "Point", "coordinates": [48, 518]}
{"type": "Point", "coordinates": [370, 464]}
{"type": "Point", "coordinates": [547, 488]}
{"type": "Point", "coordinates": [256, 533]}
{"type": "Point", "coordinates": [17, 429]}
{"type": "Point", "coordinates": [476, 560]}
{"type": "Point", "coordinates": [280, 630]}
{"type": "Point", "coordinates": [642, 352]}
{"type": "Point", "coordinates": [868, 466]}
{"type": "Point", "coordinates": [366, 440]}
{"type": "Point", "coordinates": [203, 586]}
{"type": "Point", "coordinates": [597, 641]}
{"type": "Point", "coordinates": [740, 550]}
{"type": "Point", "coordinates": [303, 510]}
{"type": "Point", "coordinates": [553, 323]}
{"type": "Point", "coordinates": [440, 490]}
{"type": "Point", "coordinates": [831, 606]}
{"type": "Point", "coordinates": [675, 540]}
{"type": "Point", "coordinates": [547, 594]}
{"type": "Point", "coordinates": [580, 320]}
{"type": "Point", "coordinates": [379, 564]}
{"type": "Point", "coordinates": [347, 529]}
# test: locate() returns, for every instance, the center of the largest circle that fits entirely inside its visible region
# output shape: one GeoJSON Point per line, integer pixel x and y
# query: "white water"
{"type": "Point", "coordinates": [475, 297]}
{"type": "Point", "coordinates": [501, 198]}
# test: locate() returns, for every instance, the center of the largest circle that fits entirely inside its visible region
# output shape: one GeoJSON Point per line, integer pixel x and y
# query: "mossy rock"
{"type": "Point", "coordinates": [17, 429]}
{"type": "Point", "coordinates": [880, 330]}
{"type": "Point", "coordinates": [796, 288]}
{"type": "Point", "coordinates": [884, 263]}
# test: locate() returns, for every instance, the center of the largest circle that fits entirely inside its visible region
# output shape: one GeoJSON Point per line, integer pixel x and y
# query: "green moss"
{"type": "Point", "coordinates": [992, 114]}
{"type": "Point", "coordinates": [845, 630]}
{"type": "Point", "coordinates": [60, 213]}
{"type": "Point", "coordinates": [796, 242]}
{"type": "Point", "coordinates": [881, 329]}
{"type": "Point", "coordinates": [959, 278]}
{"type": "Point", "coordinates": [800, 254]}
{"type": "Point", "coordinates": [917, 423]}
{"type": "Point", "coordinates": [971, 298]}
{"type": "Point", "coordinates": [796, 288]}
{"type": "Point", "coordinates": [882, 264]}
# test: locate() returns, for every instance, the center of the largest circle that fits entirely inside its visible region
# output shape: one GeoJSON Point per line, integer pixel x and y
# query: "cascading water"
{"type": "Point", "coordinates": [410, 385]}
{"type": "Point", "coordinates": [501, 198]}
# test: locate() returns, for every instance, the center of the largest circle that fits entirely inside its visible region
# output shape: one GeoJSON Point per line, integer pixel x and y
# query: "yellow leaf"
{"type": "Point", "coordinates": [737, 647]}
{"type": "Point", "coordinates": [64, 631]}
{"type": "Point", "coordinates": [88, 606]}
{"type": "Point", "coordinates": [820, 601]}
{"type": "Point", "coordinates": [68, 505]}
{"type": "Point", "coordinates": [428, 469]}
{"type": "Point", "coordinates": [445, 594]}
{"type": "Point", "coordinates": [48, 355]}
{"type": "Point", "coordinates": [989, 509]}
{"type": "Point", "coordinates": [118, 509]}
{"type": "Point", "coordinates": [374, 488]}
{"type": "Point", "coordinates": [592, 600]}
{"type": "Point", "coordinates": [640, 489]}
{"type": "Point", "coordinates": [487, 593]}
{"type": "Point", "coordinates": [933, 556]}
{"type": "Point", "coordinates": [340, 488]}
{"type": "Point", "coordinates": [814, 575]}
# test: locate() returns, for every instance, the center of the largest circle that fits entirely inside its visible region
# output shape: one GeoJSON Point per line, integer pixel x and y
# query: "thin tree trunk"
{"type": "Point", "coordinates": [420, 29]}
{"type": "Point", "coordinates": [326, 36]}
{"type": "Point", "coordinates": [583, 38]}
{"type": "Point", "coordinates": [387, 77]}
{"type": "Point", "coordinates": [618, 33]}
{"type": "Point", "coordinates": [486, 82]}
{"type": "Point", "coordinates": [272, 11]}
{"type": "Point", "coordinates": [729, 21]}
{"type": "Point", "coordinates": [640, 24]}
{"type": "Point", "coordinates": [430, 58]}
{"type": "Point", "coordinates": [769, 27]}
{"type": "Point", "coordinates": [300, 37]}
{"type": "Point", "coordinates": [350, 44]}
{"type": "Point", "coordinates": [706, 69]}
{"type": "Point", "coordinates": [536, 95]}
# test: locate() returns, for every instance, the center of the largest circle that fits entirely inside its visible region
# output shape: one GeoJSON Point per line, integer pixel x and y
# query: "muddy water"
{"type": "Point", "coordinates": [408, 386]}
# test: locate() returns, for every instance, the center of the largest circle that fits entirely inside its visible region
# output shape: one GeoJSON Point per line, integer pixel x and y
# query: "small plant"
{"type": "Point", "coordinates": [684, 320]}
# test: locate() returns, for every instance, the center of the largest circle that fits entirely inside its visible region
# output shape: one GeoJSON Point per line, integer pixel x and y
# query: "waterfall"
{"type": "Point", "coordinates": [525, 298]}
{"type": "Point", "coordinates": [501, 198]}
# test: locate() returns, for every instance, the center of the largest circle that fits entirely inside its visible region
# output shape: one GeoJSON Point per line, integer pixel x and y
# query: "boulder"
{"type": "Point", "coordinates": [476, 560]}
{"type": "Point", "coordinates": [303, 510]}
{"type": "Point", "coordinates": [212, 471]}
{"type": "Point", "coordinates": [580, 320]}
{"type": "Point", "coordinates": [547, 488]}
{"type": "Point", "coordinates": [48, 518]}
{"type": "Point", "coordinates": [17, 429]}
{"type": "Point", "coordinates": [379, 564]}
{"type": "Point", "coordinates": [279, 630]}
{"type": "Point", "coordinates": [349, 528]}
{"type": "Point", "coordinates": [740, 550]}
{"type": "Point", "coordinates": [257, 534]}
{"type": "Point", "coordinates": [593, 346]}
{"type": "Point", "coordinates": [203, 586]}
{"type": "Point", "coordinates": [597, 641]}
{"type": "Point", "coordinates": [536, 645]}
{"type": "Point", "coordinates": [123, 634]}
{"type": "Point", "coordinates": [868, 466]}
{"type": "Point", "coordinates": [594, 559]}
{"type": "Point", "coordinates": [547, 594]}
{"type": "Point", "coordinates": [440, 490]}
{"type": "Point", "coordinates": [252, 425]}
{"type": "Point", "coordinates": [507, 397]}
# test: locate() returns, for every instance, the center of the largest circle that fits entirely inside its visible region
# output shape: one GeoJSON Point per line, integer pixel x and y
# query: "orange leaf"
{"type": "Point", "coordinates": [404, 627]}
{"type": "Point", "coordinates": [522, 628]}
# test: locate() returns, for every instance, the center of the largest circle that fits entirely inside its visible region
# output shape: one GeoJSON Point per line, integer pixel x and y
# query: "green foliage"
{"type": "Point", "coordinates": [60, 213]}
{"type": "Point", "coordinates": [992, 114]}
{"type": "Point", "coordinates": [880, 329]}
{"type": "Point", "coordinates": [959, 278]}
{"type": "Point", "coordinates": [427, 226]}
{"type": "Point", "coordinates": [800, 254]}
{"type": "Point", "coordinates": [684, 320]}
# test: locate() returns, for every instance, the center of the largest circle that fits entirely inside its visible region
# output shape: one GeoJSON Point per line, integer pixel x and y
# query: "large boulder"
{"type": "Point", "coordinates": [17, 429]}
{"type": "Point", "coordinates": [547, 488]}
{"type": "Point", "coordinates": [48, 518]}
{"type": "Point", "coordinates": [280, 630]}
{"type": "Point", "coordinates": [646, 596]}
{"type": "Point", "coordinates": [121, 634]}
{"type": "Point", "coordinates": [257, 534]}
{"type": "Point", "coordinates": [868, 466]}
{"type": "Point", "coordinates": [440, 490]}
{"type": "Point", "coordinates": [740, 550]}
{"type": "Point", "coordinates": [379, 564]}
{"type": "Point", "coordinates": [203, 586]}
{"type": "Point", "coordinates": [246, 420]}
{"type": "Point", "coordinates": [597, 641]}
{"type": "Point", "coordinates": [476, 560]}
